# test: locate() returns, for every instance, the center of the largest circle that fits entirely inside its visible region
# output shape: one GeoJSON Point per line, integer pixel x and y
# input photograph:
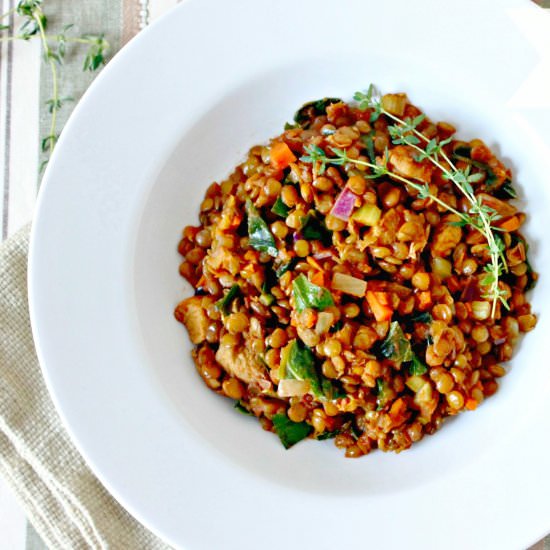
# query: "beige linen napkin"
{"type": "Point", "coordinates": [67, 505]}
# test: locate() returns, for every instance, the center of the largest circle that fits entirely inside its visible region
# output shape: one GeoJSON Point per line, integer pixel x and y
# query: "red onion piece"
{"type": "Point", "coordinates": [344, 205]}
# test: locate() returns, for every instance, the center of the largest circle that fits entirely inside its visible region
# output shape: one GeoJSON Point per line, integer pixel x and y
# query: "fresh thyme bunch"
{"type": "Point", "coordinates": [405, 132]}
{"type": "Point", "coordinates": [54, 47]}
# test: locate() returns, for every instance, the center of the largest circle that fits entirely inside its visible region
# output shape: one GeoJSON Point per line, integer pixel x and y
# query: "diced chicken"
{"type": "Point", "coordinates": [402, 160]}
{"type": "Point", "coordinates": [242, 364]}
{"type": "Point", "coordinates": [191, 313]}
{"type": "Point", "coordinates": [446, 238]}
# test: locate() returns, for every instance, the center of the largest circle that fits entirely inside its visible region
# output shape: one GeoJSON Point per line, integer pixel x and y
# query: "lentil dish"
{"type": "Point", "coordinates": [361, 278]}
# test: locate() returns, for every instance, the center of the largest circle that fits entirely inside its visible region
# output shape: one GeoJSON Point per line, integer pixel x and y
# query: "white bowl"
{"type": "Point", "coordinates": [177, 109]}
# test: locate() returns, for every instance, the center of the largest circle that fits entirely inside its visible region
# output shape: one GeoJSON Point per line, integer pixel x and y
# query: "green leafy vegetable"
{"type": "Point", "coordinates": [396, 346]}
{"type": "Point", "coordinates": [309, 111]}
{"type": "Point", "coordinates": [298, 363]}
{"type": "Point", "coordinates": [506, 191]}
{"type": "Point", "coordinates": [258, 231]}
{"type": "Point", "coordinates": [290, 432]}
{"type": "Point", "coordinates": [280, 208]}
{"type": "Point", "coordinates": [242, 409]}
{"type": "Point", "coordinates": [306, 294]}
{"type": "Point", "coordinates": [314, 229]}
{"type": "Point", "coordinates": [281, 270]}
{"type": "Point", "coordinates": [422, 318]}
{"type": "Point", "coordinates": [417, 367]}
{"type": "Point", "coordinates": [462, 151]}
{"type": "Point", "coordinates": [327, 435]}
{"type": "Point", "coordinates": [223, 304]}
{"type": "Point", "coordinates": [369, 144]}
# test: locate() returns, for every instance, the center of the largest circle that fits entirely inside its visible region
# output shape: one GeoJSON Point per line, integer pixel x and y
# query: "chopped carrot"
{"type": "Point", "coordinates": [318, 278]}
{"type": "Point", "coordinates": [236, 221]}
{"type": "Point", "coordinates": [280, 155]}
{"type": "Point", "coordinates": [378, 302]}
{"type": "Point", "coordinates": [424, 300]}
{"type": "Point", "coordinates": [313, 262]}
{"type": "Point", "coordinates": [471, 404]}
{"type": "Point", "coordinates": [511, 224]}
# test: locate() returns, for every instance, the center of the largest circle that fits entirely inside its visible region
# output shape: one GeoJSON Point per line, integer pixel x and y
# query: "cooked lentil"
{"type": "Point", "coordinates": [276, 331]}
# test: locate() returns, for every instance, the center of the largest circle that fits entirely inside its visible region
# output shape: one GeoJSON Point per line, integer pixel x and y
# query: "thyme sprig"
{"type": "Point", "coordinates": [479, 216]}
{"type": "Point", "coordinates": [54, 48]}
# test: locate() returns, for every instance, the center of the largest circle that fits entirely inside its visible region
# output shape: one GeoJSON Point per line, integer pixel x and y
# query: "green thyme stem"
{"type": "Point", "coordinates": [50, 38]}
{"type": "Point", "coordinates": [55, 86]}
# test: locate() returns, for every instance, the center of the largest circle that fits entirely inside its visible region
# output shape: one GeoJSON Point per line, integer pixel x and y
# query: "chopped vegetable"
{"type": "Point", "coordinates": [349, 285]}
{"type": "Point", "coordinates": [379, 305]}
{"type": "Point", "coordinates": [280, 155]}
{"type": "Point", "coordinates": [223, 304]}
{"type": "Point", "coordinates": [368, 140]}
{"type": "Point", "coordinates": [309, 295]}
{"type": "Point", "coordinates": [396, 346]}
{"type": "Point", "coordinates": [394, 103]}
{"type": "Point", "coordinates": [315, 229]}
{"type": "Point", "coordinates": [290, 432]}
{"type": "Point", "coordinates": [368, 214]}
{"type": "Point", "coordinates": [422, 318]}
{"type": "Point", "coordinates": [344, 205]}
{"type": "Point", "coordinates": [415, 383]}
{"type": "Point", "coordinates": [509, 225]}
{"type": "Point", "coordinates": [298, 363]}
{"type": "Point", "coordinates": [280, 208]}
{"type": "Point", "coordinates": [241, 408]}
{"type": "Point", "coordinates": [281, 270]}
{"type": "Point", "coordinates": [417, 367]}
{"type": "Point", "coordinates": [506, 191]}
{"type": "Point", "coordinates": [293, 388]}
{"type": "Point", "coordinates": [324, 322]}
{"type": "Point", "coordinates": [258, 231]}
{"type": "Point", "coordinates": [383, 393]}
{"type": "Point", "coordinates": [318, 278]}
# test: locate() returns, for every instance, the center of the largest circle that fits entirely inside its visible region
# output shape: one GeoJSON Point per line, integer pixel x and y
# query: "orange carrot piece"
{"type": "Point", "coordinates": [378, 303]}
{"type": "Point", "coordinates": [280, 155]}
{"type": "Point", "coordinates": [511, 224]}
{"type": "Point", "coordinates": [318, 278]}
{"type": "Point", "coordinates": [313, 262]}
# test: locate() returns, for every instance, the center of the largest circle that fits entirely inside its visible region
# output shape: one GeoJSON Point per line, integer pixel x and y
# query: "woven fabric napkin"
{"type": "Point", "coordinates": [67, 505]}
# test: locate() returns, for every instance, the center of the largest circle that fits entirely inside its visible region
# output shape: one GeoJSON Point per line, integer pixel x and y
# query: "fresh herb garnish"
{"type": "Point", "coordinates": [382, 393]}
{"type": "Point", "coordinates": [367, 139]}
{"type": "Point", "coordinates": [480, 216]}
{"type": "Point", "coordinates": [308, 295]}
{"type": "Point", "coordinates": [280, 208]}
{"type": "Point", "coordinates": [396, 346]}
{"type": "Point", "coordinates": [506, 191]}
{"type": "Point", "coordinates": [54, 47]}
{"type": "Point", "coordinates": [223, 304]}
{"type": "Point", "coordinates": [259, 234]}
{"type": "Point", "coordinates": [290, 432]}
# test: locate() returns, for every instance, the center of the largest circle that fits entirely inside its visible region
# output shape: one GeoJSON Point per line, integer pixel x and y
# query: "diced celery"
{"type": "Point", "coordinates": [414, 383]}
{"type": "Point", "coordinates": [368, 214]}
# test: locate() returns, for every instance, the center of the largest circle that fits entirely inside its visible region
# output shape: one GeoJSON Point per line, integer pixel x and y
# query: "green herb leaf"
{"type": "Point", "coordinates": [258, 231]}
{"type": "Point", "coordinates": [280, 208]}
{"type": "Point", "coordinates": [306, 294]}
{"type": "Point", "coordinates": [417, 367]}
{"type": "Point", "coordinates": [422, 318]}
{"type": "Point", "coordinates": [382, 393]}
{"type": "Point", "coordinates": [368, 141]}
{"type": "Point", "coordinates": [290, 432]}
{"type": "Point", "coordinates": [396, 347]}
{"type": "Point", "coordinates": [300, 365]}
{"type": "Point", "coordinates": [223, 304]}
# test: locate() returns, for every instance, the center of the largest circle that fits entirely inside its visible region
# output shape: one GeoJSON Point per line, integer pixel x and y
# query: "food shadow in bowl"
{"type": "Point", "coordinates": [208, 151]}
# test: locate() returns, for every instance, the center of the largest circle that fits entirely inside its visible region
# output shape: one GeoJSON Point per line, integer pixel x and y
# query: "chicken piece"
{"type": "Point", "coordinates": [446, 238]}
{"type": "Point", "coordinates": [191, 313]}
{"type": "Point", "coordinates": [403, 162]}
{"type": "Point", "coordinates": [242, 364]}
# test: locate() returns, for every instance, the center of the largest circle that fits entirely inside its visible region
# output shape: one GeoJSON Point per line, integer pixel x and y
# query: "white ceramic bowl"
{"type": "Point", "coordinates": [177, 109]}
